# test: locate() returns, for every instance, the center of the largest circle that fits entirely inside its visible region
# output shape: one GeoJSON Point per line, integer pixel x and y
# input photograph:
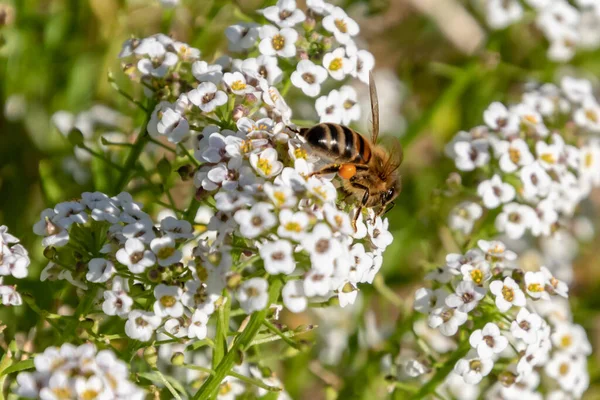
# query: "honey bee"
{"type": "Point", "coordinates": [369, 170]}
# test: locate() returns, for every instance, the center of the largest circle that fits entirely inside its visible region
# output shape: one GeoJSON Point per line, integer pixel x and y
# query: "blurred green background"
{"type": "Point", "coordinates": [56, 55]}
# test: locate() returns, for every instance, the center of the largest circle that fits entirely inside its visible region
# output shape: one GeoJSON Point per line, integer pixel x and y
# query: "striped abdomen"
{"type": "Point", "coordinates": [338, 142]}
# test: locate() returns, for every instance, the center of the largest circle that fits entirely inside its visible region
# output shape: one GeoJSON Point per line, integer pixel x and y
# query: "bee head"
{"type": "Point", "coordinates": [387, 197]}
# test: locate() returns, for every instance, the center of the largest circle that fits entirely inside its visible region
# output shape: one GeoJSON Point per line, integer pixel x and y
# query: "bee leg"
{"type": "Point", "coordinates": [295, 130]}
{"type": "Point", "coordinates": [328, 169]}
{"type": "Point", "coordinates": [363, 202]}
{"type": "Point", "coordinates": [384, 210]}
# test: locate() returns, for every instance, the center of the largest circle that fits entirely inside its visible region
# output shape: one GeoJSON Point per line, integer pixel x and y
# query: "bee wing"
{"type": "Point", "coordinates": [395, 154]}
{"type": "Point", "coordinates": [374, 109]}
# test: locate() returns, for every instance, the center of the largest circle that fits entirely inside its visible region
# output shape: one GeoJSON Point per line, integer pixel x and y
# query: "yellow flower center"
{"type": "Point", "coordinates": [341, 25]}
{"type": "Point", "coordinates": [168, 301]}
{"type": "Point", "coordinates": [279, 197]}
{"type": "Point", "coordinates": [514, 155]}
{"type": "Point", "coordinates": [591, 115]}
{"type": "Point", "coordinates": [475, 365]}
{"type": "Point", "coordinates": [535, 287]}
{"type": "Point", "coordinates": [62, 393]}
{"type": "Point", "coordinates": [238, 85]}
{"type": "Point", "coordinates": [278, 42]}
{"type": "Point", "coordinates": [225, 388]}
{"type": "Point", "coordinates": [338, 220]}
{"type": "Point", "coordinates": [300, 152]}
{"type": "Point", "coordinates": [549, 158]}
{"type": "Point", "coordinates": [531, 119]}
{"type": "Point", "coordinates": [566, 341]}
{"type": "Point", "coordinates": [265, 166]}
{"type": "Point", "coordinates": [588, 160]}
{"type": "Point", "coordinates": [477, 276]}
{"type": "Point", "coordinates": [508, 293]}
{"type": "Point", "coordinates": [563, 369]}
{"type": "Point", "coordinates": [336, 64]}
{"type": "Point", "coordinates": [89, 394]}
{"type": "Point", "coordinates": [293, 227]}
{"type": "Point", "coordinates": [165, 252]}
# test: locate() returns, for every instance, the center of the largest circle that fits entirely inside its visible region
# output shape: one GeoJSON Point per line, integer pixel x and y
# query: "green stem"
{"type": "Point", "coordinates": [168, 385]}
{"type": "Point", "coordinates": [431, 386]}
{"type": "Point", "coordinates": [240, 344]}
{"type": "Point", "coordinates": [135, 152]}
{"type": "Point", "coordinates": [282, 335]}
{"type": "Point", "coordinates": [188, 155]}
{"type": "Point", "coordinates": [255, 382]}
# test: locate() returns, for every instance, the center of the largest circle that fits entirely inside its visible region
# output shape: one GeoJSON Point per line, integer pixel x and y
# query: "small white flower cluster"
{"type": "Point", "coordinates": [539, 159]}
{"type": "Point", "coordinates": [519, 323]}
{"type": "Point", "coordinates": [14, 261]}
{"type": "Point", "coordinates": [566, 25]}
{"type": "Point", "coordinates": [131, 250]}
{"type": "Point", "coordinates": [259, 177]}
{"type": "Point", "coordinates": [195, 90]}
{"type": "Point", "coordinates": [71, 372]}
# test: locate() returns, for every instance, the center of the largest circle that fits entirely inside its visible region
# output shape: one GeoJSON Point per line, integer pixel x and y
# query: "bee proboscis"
{"type": "Point", "coordinates": [369, 170]}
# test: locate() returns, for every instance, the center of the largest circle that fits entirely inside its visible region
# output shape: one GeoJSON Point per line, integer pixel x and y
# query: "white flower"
{"type": "Point", "coordinates": [175, 327]}
{"type": "Point", "coordinates": [530, 119]}
{"type": "Point", "coordinates": [255, 221]}
{"type": "Point", "coordinates": [362, 64]}
{"type": "Point", "coordinates": [158, 65]}
{"type": "Point", "coordinates": [341, 25]}
{"type": "Point", "coordinates": [141, 325]}
{"type": "Point", "coordinates": [350, 106]}
{"type": "Point", "coordinates": [320, 7]}
{"type": "Point", "coordinates": [293, 296]}
{"type": "Point", "coordinates": [337, 64]}
{"type": "Point", "coordinates": [282, 196]}
{"type": "Point", "coordinates": [473, 368]}
{"type": "Point", "coordinates": [166, 253]}
{"type": "Point", "coordinates": [463, 216]}
{"type": "Point", "coordinates": [242, 36]}
{"type": "Point", "coordinates": [237, 83]}
{"type": "Point", "coordinates": [488, 341]}
{"type": "Point", "coordinates": [266, 163]}
{"type": "Point", "coordinates": [322, 247]}
{"type": "Point", "coordinates": [197, 328]}
{"type": "Point", "coordinates": [513, 154]}
{"type": "Point", "coordinates": [135, 256]}
{"type": "Point", "coordinates": [176, 228]}
{"type": "Point", "coordinates": [263, 67]}
{"type": "Point", "coordinates": [557, 286]}
{"type": "Point", "coordinates": [588, 116]}
{"type": "Point", "coordinates": [309, 77]}
{"type": "Point", "coordinates": [502, 13]}
{"type": "Point", "coordinates": [497, 117]}
{"type": "Point", "coordinates": [494, 192]}
{"type": "Point", "coordinates": [252, 295]}
{"type": "Point", "coordinates": [278, 257]}
{"type": "Point", "coordinates": [329, 108]}
{"type": "Point", "coordinates": [526, 325]}
{"type": "Point", "coordinates": [466, 296]}
{"type": "Point", "coordinates": [508, 293]}
{"type": "Point", "coordinates": [496, 250]}
{"type": "Point", "coordinates": [471, 155]}
{"type": "Point", "coordinates": [379, 234]}
{"type": "Point", "coordinates": [9, 295]}
{"type": "Point", "coordinates": [284, 13]}
{"type": "Point", "coordinates": [198, 296]}
{"type": "Point", "coordinates": [478, 273]}
{"type": "Point", "coordinates": [277, 42]}
{"type": "Point", "coordinates": [207, 97]}
{"type": "Point", "coordinates": [70, 212]}
{"type": "Point", "coordinates": [427, 299]}
{"type": "Point", "coordinates": [167, 121]}
{"type": "Point", "coordinates": [141, 230]}
{"type": "Point", "coordinates": [576, 90]}
{"type": "Point", "coordinates": [317, 283]}
{"type": "Point", "coordinates": [205, 72]}
{"type": "Point", "coordinates": [441, 275]}
{"type": "Point", "coordinates": [535, 283]}
{"type": "Point", "coordinates": [515, 219]}
{"type": "Point", "coordinates": [168, 302]}
{"type": "Point", "coordinates": [564, 369]}
{"type": "Point", "coordinates": [54, 234]}
{"type": "Point", "coordinates": [100, 270]}
{"type": "Point", "coordinates": [447, 320]}
{"type": "Point", "coordinates": [320, 188]}
{"type": "Point", "coordinates": [116, 303]}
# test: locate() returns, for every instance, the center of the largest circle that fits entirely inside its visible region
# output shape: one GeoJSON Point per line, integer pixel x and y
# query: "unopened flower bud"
{"type": "Point", "coordinates": [239, 112]}
{"type": "Point", "coordinates": [302, 55]}
{"type": "Point", "coordinates": [250, 98]}
{"type": "Point", "coordinates": [507, 378]}
{"type": "Point", "coordinates": [454, 181]}
{"type": "Point", "coordinates": [151, 356]}
{"type": "Point", "coordinates": [309, 24]}
{"type": "Point", "coordinates": [178, 359]}
{"type": "Point", "coordinates": [50, 252]}
{"type": "Point", "coordinates": [153, 275]}
{"type": "Point", "coordinates": [234, 280]}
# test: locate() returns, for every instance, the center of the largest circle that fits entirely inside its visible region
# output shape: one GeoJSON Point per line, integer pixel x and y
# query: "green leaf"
{"type": "Point", "coordinates": [19, 366]}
